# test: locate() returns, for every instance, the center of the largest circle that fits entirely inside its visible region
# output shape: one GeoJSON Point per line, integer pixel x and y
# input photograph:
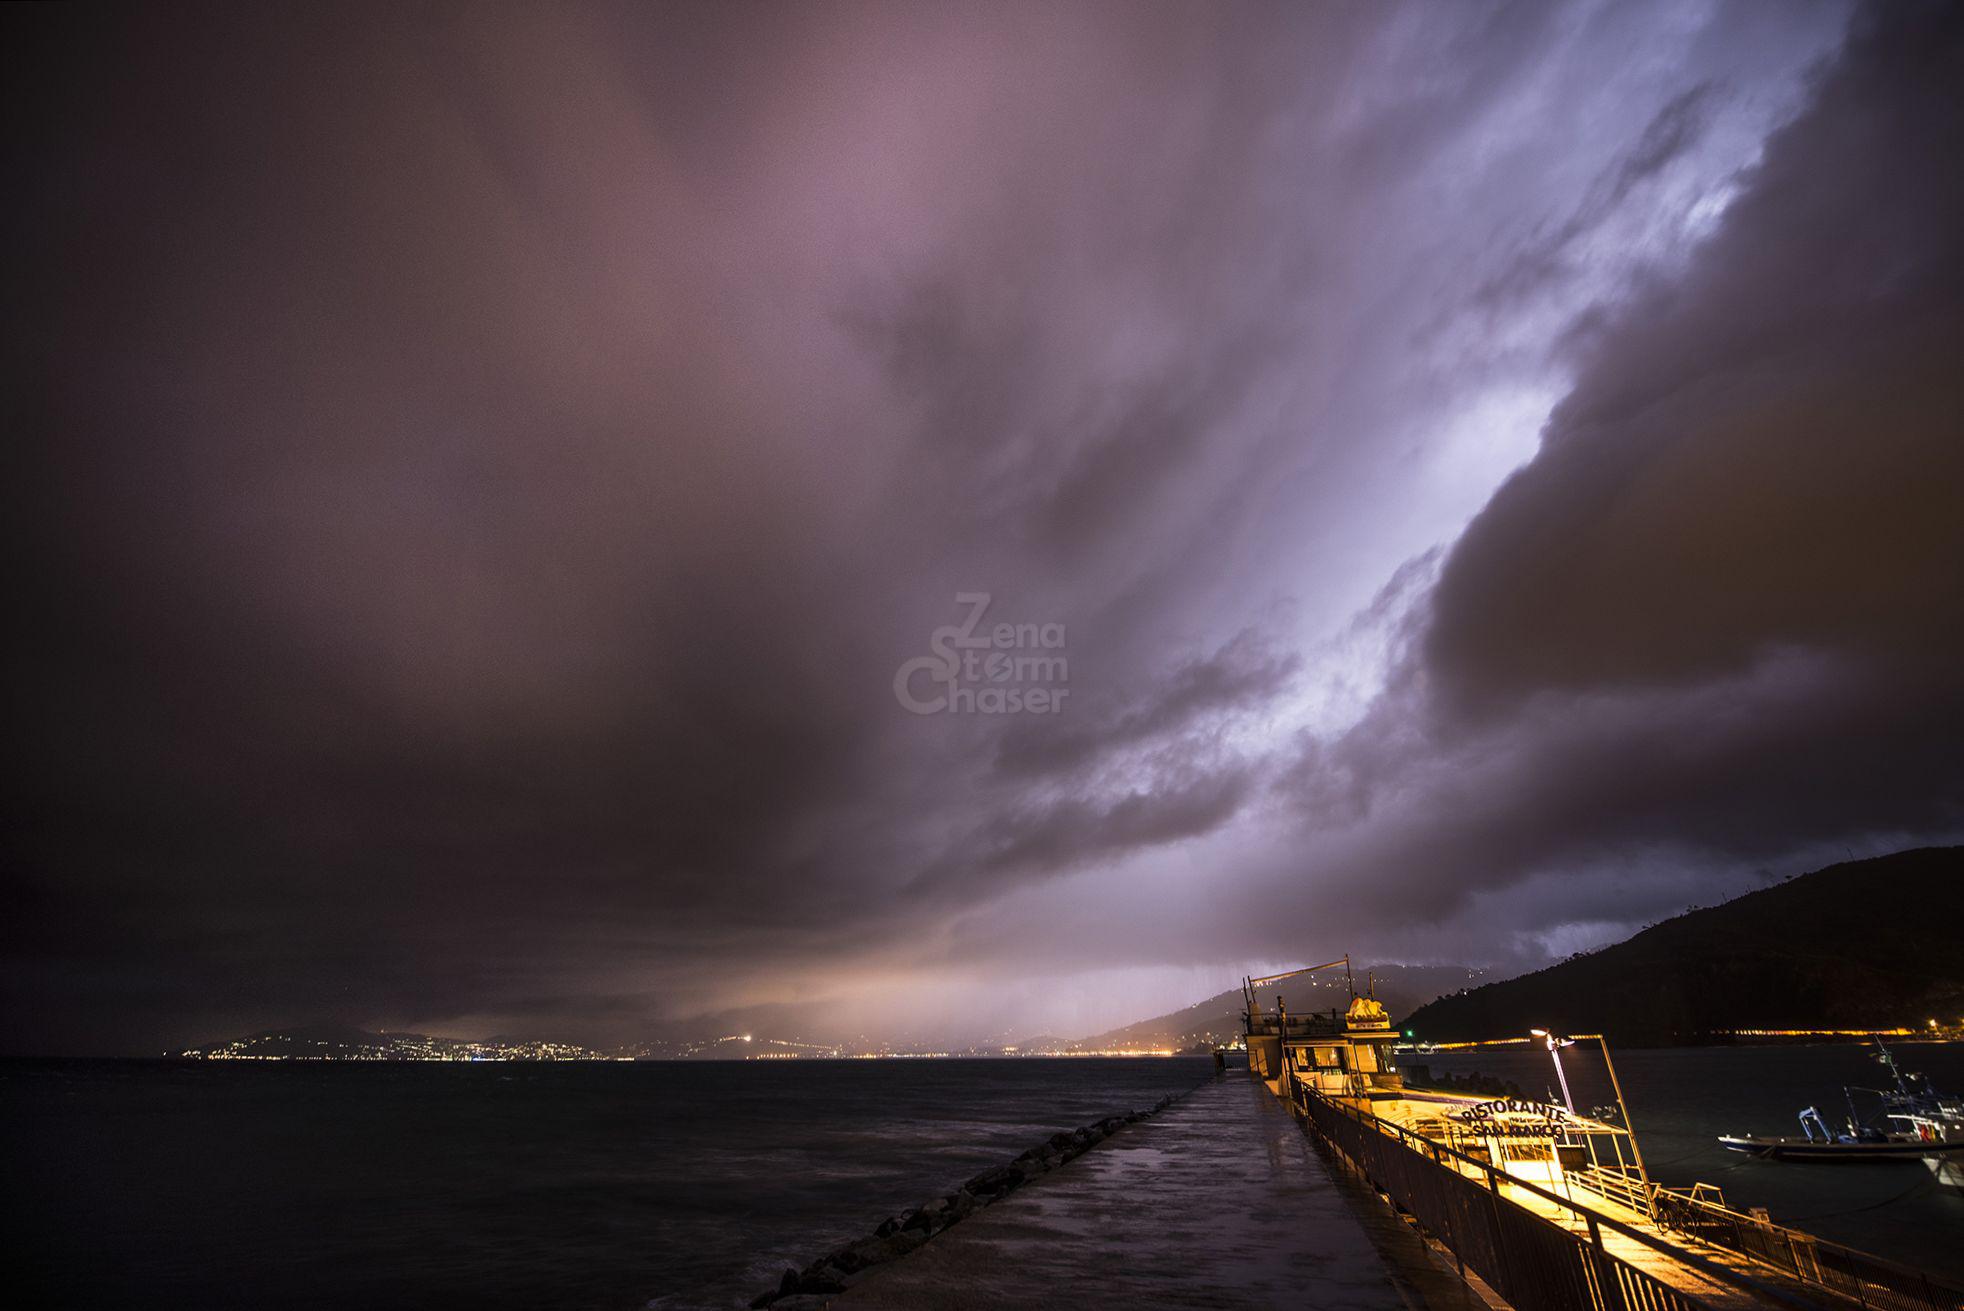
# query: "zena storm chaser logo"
{"type": "Point", "coordinates": [979, 668]}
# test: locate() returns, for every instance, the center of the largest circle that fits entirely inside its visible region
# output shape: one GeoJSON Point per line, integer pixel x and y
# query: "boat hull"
{"type": "Point", "coordinates": [1800, 1149]}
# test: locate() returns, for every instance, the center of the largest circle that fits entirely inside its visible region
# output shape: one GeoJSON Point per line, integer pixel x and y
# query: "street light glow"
{"type": "Point", "coordinates": [1554, 1050]}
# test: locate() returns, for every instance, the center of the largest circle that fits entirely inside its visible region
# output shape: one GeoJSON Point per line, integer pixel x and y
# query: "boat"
{"type": "Point", "coordinates": [1912, 1122]}
{"type": "Point", "coordinates": [1843, 1147]}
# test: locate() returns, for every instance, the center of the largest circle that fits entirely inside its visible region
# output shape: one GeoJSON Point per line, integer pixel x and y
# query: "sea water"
{"type": "Point", "coordinates": [692, 1185]}
{"type": "Point", "coordinates": [607, 1185]}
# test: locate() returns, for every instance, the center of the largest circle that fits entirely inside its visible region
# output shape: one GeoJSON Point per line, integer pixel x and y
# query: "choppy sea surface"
{"type": "Point", "coordinates": [162, 1184]}
{"type": "Point", "coordinates": [1681, 1099]}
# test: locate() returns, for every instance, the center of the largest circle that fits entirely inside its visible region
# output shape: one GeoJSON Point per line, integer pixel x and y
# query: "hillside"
{"type": "Point", "coordinates": [1218, 1019]}
{"type": "Point", "coordinates": [1867, 944]}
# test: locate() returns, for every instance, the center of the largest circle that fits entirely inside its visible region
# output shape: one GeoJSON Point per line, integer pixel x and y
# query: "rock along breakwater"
{"type": "Point", "coordinates": [898, 1235]}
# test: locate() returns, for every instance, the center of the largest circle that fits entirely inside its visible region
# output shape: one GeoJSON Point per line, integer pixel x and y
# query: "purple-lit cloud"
{"type": "Point", "coordinates": [1495, 466]}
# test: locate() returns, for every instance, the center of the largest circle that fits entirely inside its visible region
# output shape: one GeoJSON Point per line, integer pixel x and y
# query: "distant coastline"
{"type": "Point", "coordinates": [317, 1043]}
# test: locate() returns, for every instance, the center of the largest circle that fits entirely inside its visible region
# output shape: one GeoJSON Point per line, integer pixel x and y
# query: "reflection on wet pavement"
{"type": "Point", "coordinates": [1219, 1201]}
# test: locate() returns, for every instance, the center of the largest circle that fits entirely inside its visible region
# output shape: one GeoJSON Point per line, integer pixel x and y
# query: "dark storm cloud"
{"type": "Point", "coordinates": [1761, 453]}
{"type": "Point", "coordinates": [1061, 834]}
{"type": "Point", "coordinates": [402, 616]}
{"type": "Point", "coordinates": [480, 470]}
{"type": "Point", "coordinates": [459, 559]}
{"type": "Point", "coordinates": [1718, 614]}
{"type": "Point", "coordinates": [1246, 672]}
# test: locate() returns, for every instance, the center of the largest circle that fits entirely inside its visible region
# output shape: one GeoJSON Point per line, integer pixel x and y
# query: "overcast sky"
{"type": "Point", "coordinates": [1494, 473]}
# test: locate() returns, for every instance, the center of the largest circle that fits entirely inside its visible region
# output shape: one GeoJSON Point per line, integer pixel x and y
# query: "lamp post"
{"type": "Point", "coordinates": [1555, 1046]}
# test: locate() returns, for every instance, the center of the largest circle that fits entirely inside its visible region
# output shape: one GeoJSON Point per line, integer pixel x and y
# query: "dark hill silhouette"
{"type": "Point", "coordinates": [1867, 944]}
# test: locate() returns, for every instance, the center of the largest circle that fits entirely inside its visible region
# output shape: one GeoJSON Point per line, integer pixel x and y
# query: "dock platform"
{"type": "Point", "coordinates": [1218, 1201]}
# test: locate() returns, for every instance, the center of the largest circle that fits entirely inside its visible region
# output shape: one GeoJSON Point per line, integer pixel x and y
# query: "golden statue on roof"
{"type": "Point", "coordinates": [1366, 1013]}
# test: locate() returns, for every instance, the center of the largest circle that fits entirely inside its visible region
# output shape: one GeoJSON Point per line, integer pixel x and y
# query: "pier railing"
{"type": "Point", "coordinates": [1865, 1280]}
{"type": "Point", "coordinates": [1529, 1260]}
{"type": "Point", "coordinates": [1623, 1186]}
{"type": "Point", "coordinates": [1534, 1263]}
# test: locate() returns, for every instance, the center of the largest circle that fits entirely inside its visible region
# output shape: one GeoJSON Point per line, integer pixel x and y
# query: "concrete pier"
{"type": "Point", "coordinates": [1218, 1201]}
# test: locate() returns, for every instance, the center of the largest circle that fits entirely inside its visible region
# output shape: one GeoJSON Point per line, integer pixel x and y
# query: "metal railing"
{"type": "Point", "coordinates": [1307, 1024]}
{"type": "Point", "coordinates": [1529, 1260]}
{"type": "Point", "coordinates": [1621, 1185]}
{"type": "Point", "coordinates": [1865, 1280]}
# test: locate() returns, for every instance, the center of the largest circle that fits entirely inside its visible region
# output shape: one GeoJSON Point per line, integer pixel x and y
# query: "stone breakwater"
{"type": "Point", "coordinates": [896, 1236]}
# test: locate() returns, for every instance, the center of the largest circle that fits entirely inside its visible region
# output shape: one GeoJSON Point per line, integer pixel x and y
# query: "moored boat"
{"type": "Point", "coordinates": [1894, 1148]}
{"type": "Point", "coordinates": [1912, 1122]}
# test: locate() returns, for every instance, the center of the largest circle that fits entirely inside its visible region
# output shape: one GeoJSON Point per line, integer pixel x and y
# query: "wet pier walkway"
{"type": "Point", "coordinates": [1218, 1201]}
